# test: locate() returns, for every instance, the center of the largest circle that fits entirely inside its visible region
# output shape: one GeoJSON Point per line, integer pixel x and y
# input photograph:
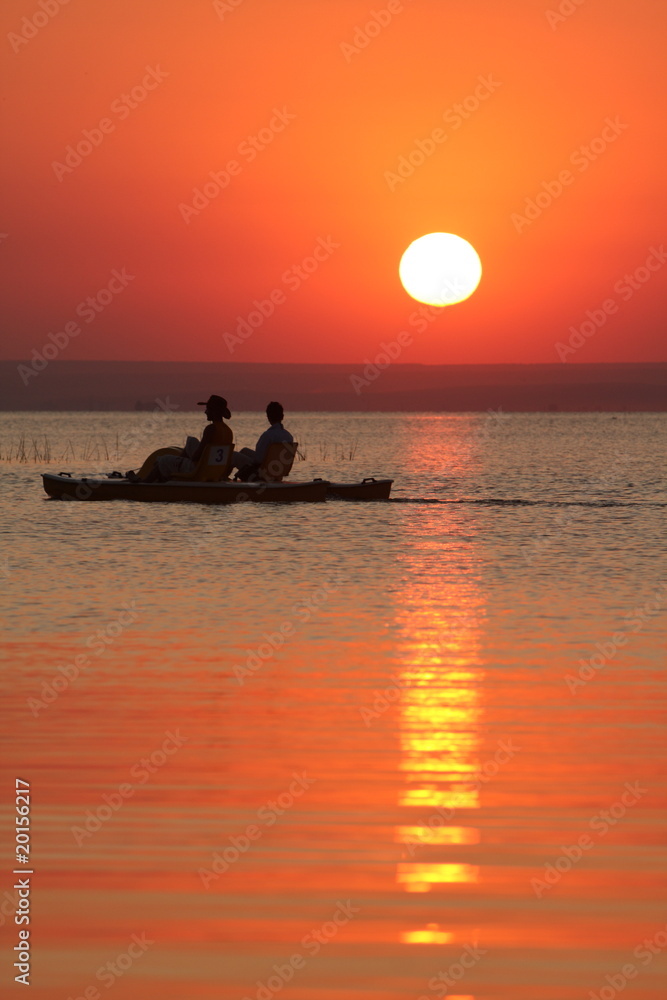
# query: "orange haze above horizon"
{"type": "Point", "coordinates": [338, 136]}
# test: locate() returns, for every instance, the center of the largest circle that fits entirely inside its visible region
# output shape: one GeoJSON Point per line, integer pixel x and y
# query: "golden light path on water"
{"type": "Point", "coordinates": [438, 718]}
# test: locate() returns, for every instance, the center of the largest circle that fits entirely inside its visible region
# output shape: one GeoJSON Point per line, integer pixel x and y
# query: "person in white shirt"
{"type": "Point", "coordinates": [249, 458]}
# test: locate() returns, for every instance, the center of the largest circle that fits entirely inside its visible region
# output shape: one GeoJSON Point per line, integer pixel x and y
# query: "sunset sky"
{"type": "Point", "coordinates": [306, 110]}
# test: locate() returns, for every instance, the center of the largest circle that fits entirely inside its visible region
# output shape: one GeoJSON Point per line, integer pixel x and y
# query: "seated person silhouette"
{"type": "Point", "coordinates": [248, 460]}
{"type": "Point", "coordinates": [217, 432]}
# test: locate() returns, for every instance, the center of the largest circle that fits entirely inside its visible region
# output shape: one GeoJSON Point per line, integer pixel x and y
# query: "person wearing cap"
{"type": "Point", "coordinates": [216, 432]}
{"type": "Point", "coordinates": [250, 459]}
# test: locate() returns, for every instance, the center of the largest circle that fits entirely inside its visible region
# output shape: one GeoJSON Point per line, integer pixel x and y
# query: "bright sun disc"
{"type": "Point", "coordinates": [440, 269]}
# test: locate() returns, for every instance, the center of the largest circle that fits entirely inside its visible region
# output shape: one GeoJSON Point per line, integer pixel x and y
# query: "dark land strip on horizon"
{"type": "Point", "coordinates": [138, 385]}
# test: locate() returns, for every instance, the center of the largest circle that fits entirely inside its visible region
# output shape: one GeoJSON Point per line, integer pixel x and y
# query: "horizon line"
{"type": "Point", "coordinates": [335, 364]}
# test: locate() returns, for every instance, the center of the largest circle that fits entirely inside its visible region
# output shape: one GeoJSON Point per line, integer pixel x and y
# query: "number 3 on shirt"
{"type": "Point", "coordinates": [219, 456]}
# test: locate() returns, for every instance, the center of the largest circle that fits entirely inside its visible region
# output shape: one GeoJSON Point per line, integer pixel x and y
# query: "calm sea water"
{"type": "Point", "coordinates": [343, 751]}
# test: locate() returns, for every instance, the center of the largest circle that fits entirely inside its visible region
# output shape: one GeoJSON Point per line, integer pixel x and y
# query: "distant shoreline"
{"type": "Point", "coordinates": [124, 386]}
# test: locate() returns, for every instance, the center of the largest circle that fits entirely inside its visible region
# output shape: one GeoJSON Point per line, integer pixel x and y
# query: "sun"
{"type": "Point", "coordinates": [440, 269]}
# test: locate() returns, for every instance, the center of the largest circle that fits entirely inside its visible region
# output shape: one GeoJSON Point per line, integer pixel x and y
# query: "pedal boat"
{"type": "Point", "coordinates": [209, 483]}
{"type": "Point", "coordinates": [66, 487]}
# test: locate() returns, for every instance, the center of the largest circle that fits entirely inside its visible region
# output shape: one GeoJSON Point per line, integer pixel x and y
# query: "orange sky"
{"type": "Point", "coordinates": [221, 72]}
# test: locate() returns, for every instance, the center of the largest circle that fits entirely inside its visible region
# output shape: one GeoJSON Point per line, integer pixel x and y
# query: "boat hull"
{"type": "Point", "coordinates": [68, 488]}
{"type": "Point", "coordinates": [369, 489]}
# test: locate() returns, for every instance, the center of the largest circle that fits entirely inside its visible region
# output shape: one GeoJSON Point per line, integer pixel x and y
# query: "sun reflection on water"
{"type": "Point", "coordinates": [440, 715]}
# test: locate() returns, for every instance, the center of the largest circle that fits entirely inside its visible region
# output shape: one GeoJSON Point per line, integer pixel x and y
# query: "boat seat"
{"type": "Point", "coordinates": [277, 462]}
{"type": "Point", "coordinates": [214, 465]}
